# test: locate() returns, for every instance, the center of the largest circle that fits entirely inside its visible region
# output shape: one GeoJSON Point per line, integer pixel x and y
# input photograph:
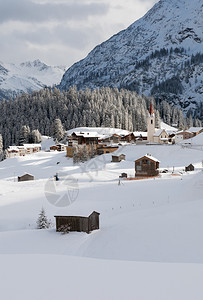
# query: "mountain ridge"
{"type": "Point", "coordinates": [27, 77]}
{"type": "Point", "coordinates": [167, 25]}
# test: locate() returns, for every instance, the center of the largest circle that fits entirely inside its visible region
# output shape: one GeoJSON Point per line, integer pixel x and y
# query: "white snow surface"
{"type": "Point", "coordinates": [28, 76]}
{"type": "Point", "coordinates": [195, 141]}
{"type": "Point", "coordinates": [149, 245]}
{"type": "Point", "coordinates": [167, 127]}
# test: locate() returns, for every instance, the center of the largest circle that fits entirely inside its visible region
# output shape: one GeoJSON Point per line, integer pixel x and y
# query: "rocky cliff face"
{"type": "Point", "coordinates": [160, 54]}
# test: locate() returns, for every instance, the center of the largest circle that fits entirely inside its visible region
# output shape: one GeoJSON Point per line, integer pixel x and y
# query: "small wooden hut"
{"type": "Point", "coordinates": [25, 177]}
{"type": "Point", "coordinates": [118, 158]}
{"type": "Point", "coordinates": [146, 166]}
{"type": "Point", "coordinates": [123, 175]}
{"type": "Point", "coordinates": [78, 223]}
{"type": "Point", "coordinates": [189, 168]}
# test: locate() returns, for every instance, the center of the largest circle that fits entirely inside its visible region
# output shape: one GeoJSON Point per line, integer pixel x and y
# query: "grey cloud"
{"type": "Point", "coordinates": [28, 11]}
{"type": "Point", "coordinates": [60, 35]}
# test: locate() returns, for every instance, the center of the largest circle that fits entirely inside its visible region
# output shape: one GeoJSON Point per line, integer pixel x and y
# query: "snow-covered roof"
{"type": "Point", "coordinates": [100, 130]}
{"type": "Point", "coordinates": [87, 134]}
{"type": "Point", "coordinates": [167, 127]}
{"type": "Point", "coordinates": [182, 132]}
{"type": "Point", "coordinates": [26, 174]}
{"type": "Point", "coordinates": [104, 136]}
{"type": "Point", "coordinates": [197, 140]}
{"type": "Point", "coordinates": [25, 146]}
{"type": "Point", "coordinates": [195, 129]}
{"type": "Point", "coordinates": [32, 145]}
{"type": "Point", "coordinates": [158, 132]}
{"type": "Point", "coordinates": [150, 157]}
{"type": "Point", "coordinates": [140, 133]}
{"type": "Point", "coordinates": [13, 148]}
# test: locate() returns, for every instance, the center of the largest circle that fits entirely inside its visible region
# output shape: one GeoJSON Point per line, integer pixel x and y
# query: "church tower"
{"type": "Point", "coordinates": [151, 125]}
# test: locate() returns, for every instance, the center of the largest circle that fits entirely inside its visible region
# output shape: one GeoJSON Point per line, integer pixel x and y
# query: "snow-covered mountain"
{"type": "Point", "coordinates": [27, 77]}
{"type": "Point", "coordinates": [160, 54]}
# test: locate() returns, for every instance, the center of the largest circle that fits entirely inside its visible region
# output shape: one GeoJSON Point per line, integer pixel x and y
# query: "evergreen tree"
{"type": "Point", "coordinates": [157, 119]}
{"type": "Point", "coordinates": [24, 135]}
{"type": "Point", "coordinates": [58, 131]}
{"type": "Point", "coordinates": [42, 221]}
{"type": "Point", "coordinates": [1, 148]}
{"type": "Point", "coordinates": [35, 137]}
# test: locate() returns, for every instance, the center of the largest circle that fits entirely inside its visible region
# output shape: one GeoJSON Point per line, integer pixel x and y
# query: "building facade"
{"type": "Point", "coordinates": [146, 166]}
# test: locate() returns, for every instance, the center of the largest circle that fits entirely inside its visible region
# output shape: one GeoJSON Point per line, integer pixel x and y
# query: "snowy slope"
{"type": "Point", "coordinates": [37, 277]}
{"type": "Point", "coordinates": [195, 141]}
{"type": "Point", "coordinates": [129, 220]}
{"type": "Point", "coordinates": [27, 77]}
{"type": "Point", "coordinates": [149, 244]}
{"type": "Point", "coordinates": [121, 60]}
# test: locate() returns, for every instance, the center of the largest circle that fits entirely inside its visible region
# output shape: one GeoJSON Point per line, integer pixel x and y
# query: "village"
{"type": "Point", "coordinates": [141, 202]}
{"type": "Point", "coordinates": [113, 148]}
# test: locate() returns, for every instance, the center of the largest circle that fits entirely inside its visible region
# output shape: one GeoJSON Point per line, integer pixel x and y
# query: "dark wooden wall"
{"type": "Point", "coordinates": [77, 223]}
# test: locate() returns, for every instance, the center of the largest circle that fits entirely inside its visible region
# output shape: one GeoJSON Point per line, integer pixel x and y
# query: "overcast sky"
{"type": "Point", "coordinates": [61, 32]}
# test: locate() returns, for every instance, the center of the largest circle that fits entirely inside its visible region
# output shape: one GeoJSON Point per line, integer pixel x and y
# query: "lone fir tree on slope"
{"type": "Point", "coordinates": [42, 221]}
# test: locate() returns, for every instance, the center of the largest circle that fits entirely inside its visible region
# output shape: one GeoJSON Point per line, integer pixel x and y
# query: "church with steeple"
{"type": "Point", "coordinates": [155, 135]}
{"type": "Point", "coordinates": [151, 125]}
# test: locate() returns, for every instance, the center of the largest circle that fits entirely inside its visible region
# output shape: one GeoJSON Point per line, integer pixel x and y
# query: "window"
{"type": "Point", "coordinates": [151, 121]}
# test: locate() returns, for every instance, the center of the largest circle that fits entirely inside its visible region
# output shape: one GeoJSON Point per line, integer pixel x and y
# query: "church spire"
{"type": "Point", "coordinates": [151, 111]}
{"type": "Point", "coordinates": [151, 125]}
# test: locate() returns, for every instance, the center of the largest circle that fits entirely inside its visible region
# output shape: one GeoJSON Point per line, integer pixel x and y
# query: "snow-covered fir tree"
{"type": "Point", "coordinates": [58, 131]}
{"type": "Point", "coordinates": [1, 148]}
{"type": "Point", "coordinates": [42, 221]}
{"type": "Point", "coordinates": [35, 136]}
{"type": "Point", "coordinates": [24, 135]}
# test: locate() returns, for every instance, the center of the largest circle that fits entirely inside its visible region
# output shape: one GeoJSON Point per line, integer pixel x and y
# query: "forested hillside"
{"type": "Point", "coordinates": [106, 107]}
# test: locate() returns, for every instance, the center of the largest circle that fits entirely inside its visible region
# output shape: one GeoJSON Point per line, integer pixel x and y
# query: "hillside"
{"type": "Point", "coordinates": [26, 77]}
{"type": "Point", "coordinates": [159, 55]}
{"type": "Point", "coordinates": [145, 227]}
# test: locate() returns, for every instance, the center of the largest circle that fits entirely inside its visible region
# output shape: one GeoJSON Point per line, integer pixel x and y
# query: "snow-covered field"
{"type": "Point", "coordinates": [150, 242]}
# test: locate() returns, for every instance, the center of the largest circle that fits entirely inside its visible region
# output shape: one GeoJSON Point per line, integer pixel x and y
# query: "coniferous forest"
{"type": "Point", "coordinates": [104, 107]}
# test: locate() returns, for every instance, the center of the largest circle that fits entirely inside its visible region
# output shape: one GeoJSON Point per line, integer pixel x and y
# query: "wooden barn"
{"type": "Point", "coordinates": [88, 138]}
{"type": "Point", "coordinates": [25, 177]}
{"type": "Point", "coordinates": [118, 158]}
{"type": "Point", "coordinates": [189, 168]}
{"type": "Point", "coordinates": [146, 166]}
{"type": "Point", "coordinates": [106, 149]}
{"type": "Point", "coordinates": [58, 147]}
{"type": "Point", "coordinates": [77, 223]}
{"type": "Point", "coordinates": [54, 148]}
